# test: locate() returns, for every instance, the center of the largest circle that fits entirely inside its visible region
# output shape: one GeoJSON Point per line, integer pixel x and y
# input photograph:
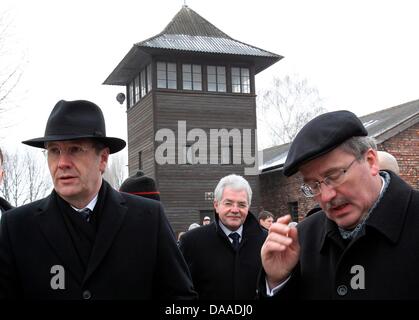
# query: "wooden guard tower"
{"type": "Point", "coordinates": [185, 86]}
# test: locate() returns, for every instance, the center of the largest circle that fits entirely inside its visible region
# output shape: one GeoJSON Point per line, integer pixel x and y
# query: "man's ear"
{"type": "Point", "coordinates": [216, 205]}
{"type": "Point", "coordinates": [104, 158]}
{"type": "Point", "coordinates": [372, 159]}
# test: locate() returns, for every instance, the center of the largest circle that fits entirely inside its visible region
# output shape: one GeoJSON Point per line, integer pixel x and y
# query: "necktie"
{"type": "Point", "coordinates": [235, 236]}
{"type": "Point", "coordinates": [85, 213]}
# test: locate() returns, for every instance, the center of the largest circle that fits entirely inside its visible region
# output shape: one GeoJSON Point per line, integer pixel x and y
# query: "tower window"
{"type": "Point", "coordinates": [149, 82]}
{"type": "Point", "coordinates": [192, 77]}
{"type": "Point", "coordinates": [137, 89]}
{"type": "Point", "coordinates": [166, 75]}
{"type": "Point", "coordinates": [216, 76]}
{"type": "Point", "coordinates": [240, 80]}
{"type": "Point", "coordinates": [131, 94]}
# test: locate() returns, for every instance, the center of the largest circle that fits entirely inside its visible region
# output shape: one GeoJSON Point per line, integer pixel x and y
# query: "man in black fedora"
{"type": "Point", "coordinates": [364, 242]}
{"type": "Point", "coordinates": [87, 240]}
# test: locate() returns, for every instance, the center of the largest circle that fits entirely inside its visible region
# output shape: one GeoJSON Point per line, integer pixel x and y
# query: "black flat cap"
{"type": "Point", "coordinates": [321, 135]}
{"type": "Point", "coordinates": [141, 185]}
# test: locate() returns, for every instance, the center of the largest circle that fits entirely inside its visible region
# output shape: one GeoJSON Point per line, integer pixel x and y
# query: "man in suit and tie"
{"type": "Point", "coordinates": [87, 240]}
{"type": "Point", "coordinates": [224, 256]}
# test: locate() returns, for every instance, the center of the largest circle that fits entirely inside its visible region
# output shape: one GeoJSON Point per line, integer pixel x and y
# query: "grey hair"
{"type": "Point", "coordinates": [234, 182]}
{"type": "Point", "coordinates": [357, 146]}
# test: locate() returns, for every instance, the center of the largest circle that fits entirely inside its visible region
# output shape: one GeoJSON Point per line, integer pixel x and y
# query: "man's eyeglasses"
{"type": "Point", "coordinates": [74, 152]}
{"type": "Point", "coordinates": [229, 204]}
{"type": "Point", "coordinates": [334, 179]}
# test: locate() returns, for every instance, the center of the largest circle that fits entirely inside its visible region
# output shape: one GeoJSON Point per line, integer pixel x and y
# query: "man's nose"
{"type": "Point", "coordinates": [64, 160]}
{"type": "Point", "coordinates": [235, 207]}
{"type": "Point", "coordinates": [327, 193]}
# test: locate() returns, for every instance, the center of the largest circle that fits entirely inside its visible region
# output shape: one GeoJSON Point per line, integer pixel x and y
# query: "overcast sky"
{"type": "Point", "coordinates": [360, 55]}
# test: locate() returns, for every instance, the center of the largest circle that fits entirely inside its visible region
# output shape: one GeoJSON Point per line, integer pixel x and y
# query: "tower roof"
{"type": "Point", "coordinates": [188, 32]}
{"type": "Point", "coordinates": [188, 22]}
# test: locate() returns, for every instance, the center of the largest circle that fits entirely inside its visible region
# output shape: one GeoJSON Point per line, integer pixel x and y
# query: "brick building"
{"type": "Point", "coordinates": [396, 131]}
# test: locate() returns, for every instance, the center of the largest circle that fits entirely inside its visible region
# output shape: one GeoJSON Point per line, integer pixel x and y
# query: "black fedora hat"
{"type": "Point", "coordinates": [141, 185]}
{"type": "Point", "coordinates": [80, 119]}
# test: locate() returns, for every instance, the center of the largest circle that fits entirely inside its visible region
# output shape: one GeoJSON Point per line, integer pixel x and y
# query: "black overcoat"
{"type": "Point", "coordinates": [381, 263]}
{"type": "Point", "coordinates": [5, 205]}
{"type": "Point", "coordinates": [134, 256]}
{"type": "Point", "coordinates": [218, 271]}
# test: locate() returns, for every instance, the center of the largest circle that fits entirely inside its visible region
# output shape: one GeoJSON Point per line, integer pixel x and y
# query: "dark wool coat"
{"type": "Point", "coordinates": [381, 263]}
{"type": "Point", "coordinates": [218, 271]}
{"type": "Point", "coordinates": [134, 256]}
{"type": "Point", "coordinates": [4, 205]}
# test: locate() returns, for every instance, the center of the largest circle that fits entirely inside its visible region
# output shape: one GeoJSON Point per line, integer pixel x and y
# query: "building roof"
{"type": "Point", "coordinates": [188, 32]}
{"type": "Point", "coordinates": [274, 156]}
{"type": "Point", "coordinates": [382, 125]}
{"type": "Point", "coordinates": [187, 21]}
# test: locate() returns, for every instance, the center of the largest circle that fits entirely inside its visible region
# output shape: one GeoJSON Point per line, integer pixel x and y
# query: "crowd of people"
{"type": "Point", "coordinates": [87, 240]}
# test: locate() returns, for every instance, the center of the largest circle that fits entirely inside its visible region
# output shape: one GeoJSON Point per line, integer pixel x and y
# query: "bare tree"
{"type": "Point", "coordinates": [25, 178]}
{"type": "Point", "coordinates": [38, 179]}
{"type": "Point", "coordinates": [10, 67]}
{"type": "Point", "coordinates": [13, 173]}
{"type": "Point", "coordinates": [116, 172]}
{"type": "Point", "coordinates": [286, 107]}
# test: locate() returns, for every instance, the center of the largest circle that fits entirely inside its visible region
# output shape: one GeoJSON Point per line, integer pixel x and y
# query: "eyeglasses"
{"type": "Point", "coordinates": [334, 179]}
{"type": "Point", "coordinates": [229, 204]}
{"type": "Point", "coordinates": [74, 152]}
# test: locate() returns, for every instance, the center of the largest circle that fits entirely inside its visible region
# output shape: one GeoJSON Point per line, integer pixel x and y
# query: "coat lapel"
{"type": "Point", "coordinates": [111, 220]}
{"type": "Point", "coordinates": [53, 227]}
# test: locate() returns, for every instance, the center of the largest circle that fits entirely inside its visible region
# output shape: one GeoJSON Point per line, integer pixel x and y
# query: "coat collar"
{"type": "Point", "coordinates": [54, 229]}
{"type": "Point", "coordinates": [112, 217]}
{"type": "Point", "coordinates": [387, 218]}
{"type": "Point", "coordinates": [391, 211]}
{"type": "Point", "coordinates": [250, 226]}
{"type": "Point", "coordinates": [5, 205]}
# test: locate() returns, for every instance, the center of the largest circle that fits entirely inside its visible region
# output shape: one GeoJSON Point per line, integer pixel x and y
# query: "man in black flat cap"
{"type": "Point", "coordinates": [87, 240]}
{"type": "Point", "coordinates": [141, 185]}
{"type": "Point", "coordinates": [364, 243]}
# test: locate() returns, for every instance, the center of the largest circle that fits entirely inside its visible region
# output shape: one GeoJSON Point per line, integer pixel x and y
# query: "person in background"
{"type": "Point", "coordinates": [4, 204]}
{"type": "Point", "coordinates": [364, 242]}
{"type": "Point", "coordinates": [266, 219]}
{"type": "Point", "coordinates": [206, 220]}
{"type": "Point", "coordinates": [141, 185]}
{"type": "Point", "coordinates": [387, 161]}
{"type": "Point", "coordinates": [193, 226]}
{"type": "Point", "coordinates": [87, 240]}
{"type": "Point", "coordinates": [180, 235]}
{"type": "Point", "coordinates": [313, 210]}
{"type": "Point", "coordinates": [224, 256]}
